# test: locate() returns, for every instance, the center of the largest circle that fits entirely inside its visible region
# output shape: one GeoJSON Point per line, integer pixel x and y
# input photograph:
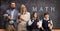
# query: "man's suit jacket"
{"type": "Point", "coordinates": [15, 16]}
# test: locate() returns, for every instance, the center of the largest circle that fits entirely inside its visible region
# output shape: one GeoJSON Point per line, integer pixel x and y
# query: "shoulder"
{"type": "Point", "coordinates": [8, 10]}
{"type": "Point", "coordinates": [50, 19]}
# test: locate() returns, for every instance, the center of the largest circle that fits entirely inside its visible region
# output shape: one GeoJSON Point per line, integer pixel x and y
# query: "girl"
{"type": "Point", "coordinates": [34, 22]}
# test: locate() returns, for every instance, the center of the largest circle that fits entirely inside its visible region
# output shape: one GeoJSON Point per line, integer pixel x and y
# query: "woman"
{"type": "Point", "coordinates": [23, 18]}
{"type": "Point", "coordinates": [34, 22]}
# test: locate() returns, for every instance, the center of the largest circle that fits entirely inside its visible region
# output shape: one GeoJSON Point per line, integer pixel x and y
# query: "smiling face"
{"type": "Point", "coordinates": [47, 16]}
{"type": "Point", "coordinates": [35, 15]}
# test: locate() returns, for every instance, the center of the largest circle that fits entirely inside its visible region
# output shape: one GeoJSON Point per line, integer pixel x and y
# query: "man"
{"type": "Point", "coordinates": [11, 15]}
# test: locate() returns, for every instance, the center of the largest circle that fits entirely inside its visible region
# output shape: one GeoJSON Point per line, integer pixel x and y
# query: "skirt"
{"type": "Point", "coordinates": [22, 26]}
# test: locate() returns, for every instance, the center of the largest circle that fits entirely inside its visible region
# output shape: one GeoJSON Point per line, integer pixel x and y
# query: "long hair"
{"type": "Point", "coordinates": [32, 16]}
{"type": "Point", "coordinates": [23, 6]}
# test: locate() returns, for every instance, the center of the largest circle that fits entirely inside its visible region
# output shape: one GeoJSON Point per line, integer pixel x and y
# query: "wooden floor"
{"type": "Point", "coordinates": [52, 30]}
{"type": "Point", "coordinates": [56, 30]}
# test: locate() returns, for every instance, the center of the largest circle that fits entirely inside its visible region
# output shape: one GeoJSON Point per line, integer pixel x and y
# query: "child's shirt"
{"type": "Point", "coordinates": [36, 24]}
{"type": "Point", "coordinates": [46, 22]}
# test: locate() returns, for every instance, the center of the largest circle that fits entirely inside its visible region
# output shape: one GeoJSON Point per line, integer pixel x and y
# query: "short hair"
{"type": "Point", "coordinates": [12, 2]}
{"type": "Point", "coordinates": [46, 13]}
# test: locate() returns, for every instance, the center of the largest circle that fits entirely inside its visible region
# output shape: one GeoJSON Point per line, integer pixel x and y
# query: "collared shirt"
{"type": "Point", "coordinates": [48, 21]}
{"type": "Point", "coordinates": [12, 13]}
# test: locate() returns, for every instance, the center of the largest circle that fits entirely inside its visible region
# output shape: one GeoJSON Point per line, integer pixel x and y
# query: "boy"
{"type": "Point", "coordinates": [47, 23]}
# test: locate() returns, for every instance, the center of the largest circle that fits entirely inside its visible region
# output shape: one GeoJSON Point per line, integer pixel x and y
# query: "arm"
{"type": "Point", "coordinates": [8, 17]}
{"type": "Point", "coordinates": [50, 25]}
{"type": "Point", "coordinates": [27, 17]}
{"type": "Point", "coordinates": [40, 25]}
{"type": "Point", "coordinates": [30, 22]}
{"type": "Point", "coordinates": [19, 19]}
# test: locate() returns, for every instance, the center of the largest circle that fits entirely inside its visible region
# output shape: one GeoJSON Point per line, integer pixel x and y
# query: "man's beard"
{"type": "Point", "coordinates": [13, 8]}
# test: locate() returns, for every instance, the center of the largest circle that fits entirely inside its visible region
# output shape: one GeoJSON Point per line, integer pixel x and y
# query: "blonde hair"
{"type": "Point", "coordinates": [23, 6]}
